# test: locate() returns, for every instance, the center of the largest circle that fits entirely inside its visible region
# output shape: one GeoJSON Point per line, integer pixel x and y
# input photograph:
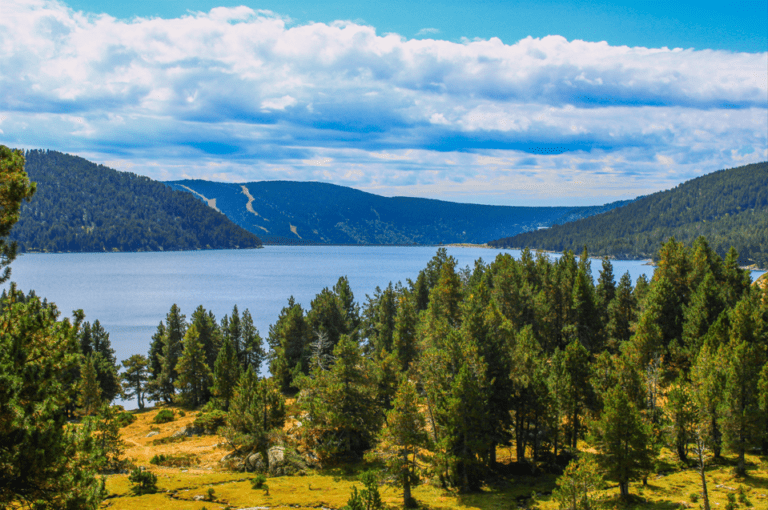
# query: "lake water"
{"type": "Point", "coordinates": [130, 293]}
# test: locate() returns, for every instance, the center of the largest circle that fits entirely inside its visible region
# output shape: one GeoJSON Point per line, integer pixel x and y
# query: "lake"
{"type": "Point", "coordinates": [130, 293]}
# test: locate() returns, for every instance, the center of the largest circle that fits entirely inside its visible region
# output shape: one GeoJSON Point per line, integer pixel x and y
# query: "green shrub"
{"type": "Point", "coordinates": [164, 416]}
{"type": "Point", "coordinates": [158, 459]}
{"type": "Point", "coordinates": [731, 505]}
{"type": "Point", "coordinates": [211, 494]}
{"type": "Point", "coordinates": [258, 482]}
{"type": "Point", "coordinates": [694, 497]}
{"type": "Point", "coordinates": [144, 482]}
{"type": "Point", "coordinates": [211, 421]}
{"type": "Point", "coordinates": [125, 418]}
{"type": "Point", "coordinates": [180, 460]}
{"type": "Point", "coordinates": [368, 498]}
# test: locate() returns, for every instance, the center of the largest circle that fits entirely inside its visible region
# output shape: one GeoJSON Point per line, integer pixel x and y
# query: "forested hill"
{"type": "Point", "coordinates": [83, 207]}
{"type": "Point", "coordinates": [728, 207]}
{"type": "Point", "coordinates": [285, 212]}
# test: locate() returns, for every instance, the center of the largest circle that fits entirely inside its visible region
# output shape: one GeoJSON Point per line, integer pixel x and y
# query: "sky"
{"type": "Point", "coordinates": [495, 102]}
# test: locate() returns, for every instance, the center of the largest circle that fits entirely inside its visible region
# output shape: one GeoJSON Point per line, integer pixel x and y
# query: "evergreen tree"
{"type": "Point", "coordinates": [208, 333]}
{"type": "Point", "coordinates": [683, 418]}
{"type": "Point", "coordinates": [402, 437]}
{"type": "Point", "coordinates": [404, 335]}
{"type": "Point", "coordinates": [14, 189]}
{"type": "Point", "coordinates": [106, 433]}
{"type": "Point", "coordinates": [106, 364]}
{"type": "Point", "coordinates": [742, 418]}
{"type": "Point", "coordinates": [46, 463]}
{"type": "Point", "coordinates": [577, 486]}
{"type": "Point", "coordinates": [226, 375]}
{"type": "Point", "coordinates": [289, 346]}
{"type": "Point", "coordinates": [257, 408]}
{"type": "Point", "coordinates": [708, 385]}
{"type": "Point", "coordinates": [380, 315]}
{"type": "Point", "coordinates": [89, 398]}
{"type": "Point", "coordinates": [575, 396]}
{"type": "Point", "coordinates": [194, 376]}
{"type": "Point", "coordinates": [620, 314]}
{"type": "Point", "coordinates": [175, 328]}
{"type": "Point", "coordinates": [622, 438]}
{"type": "Point", "coordinates": [253, 351]}
{"type": "Point", "coordinates": [343, 416]}
{"type": "Point", "coordinates": [135, 378]}
{"type": "Point", "coordinates": [156, 352]}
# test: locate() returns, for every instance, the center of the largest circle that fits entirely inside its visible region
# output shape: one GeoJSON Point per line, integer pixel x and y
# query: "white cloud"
{"type": "Point", "coordinates": [427, 31]}
{"type": "Point", "coordinates": [279, 103]}
{"type": "Point", "coordinates": [243, 88]}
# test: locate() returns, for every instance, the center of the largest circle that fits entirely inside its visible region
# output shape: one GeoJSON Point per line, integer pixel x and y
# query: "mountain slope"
{"type": "Point", "coordinates": [728, 207]}
{"type": "Point", "coordinates": [83, 207]}
{"type": "Point", "coordinates": [284, 212]}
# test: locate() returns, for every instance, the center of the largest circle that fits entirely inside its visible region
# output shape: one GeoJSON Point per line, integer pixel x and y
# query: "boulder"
{"type": "Point", "coordinates": [188, 431]}
{"type": "Point", "coordinates": [255, 462]}
{"type": "Point", "coordinates": [276, 455]}
{"type": "Point", "coordinates": [153, 433]}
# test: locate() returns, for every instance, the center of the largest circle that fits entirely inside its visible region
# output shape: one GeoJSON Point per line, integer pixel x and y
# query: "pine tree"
{"type": "Point", "coordinates": [742, 418]}
{"type": "Point", "coordinates": [404, 335]}
{"type": "Point", "coordinates": [402, 438]}
{"type": "Point", "coordinates": [622, 439]}
{"type": "Point", "coordinates": [175, 328]}
{"type": "Point", "coordinates": [257, 408]}
{"type": "Point", "coordinates": [14, 189]}
{"type": "Point", "coordinates": [194, 376]}
{"type": "Point", "coordinates": [89, 397]}
{"type": "Point", "coordinates": [46, 463]}
{"type": "Point", "coordinates": [135, 378]}
{"type": "Point", "coordinates": [621, 314]}
{"type": "Point", "coordinates": [208, 333]}
{"type": "Point", "coordinates": [682, 416]}
{"type": "Point", "coordinates": [577, 485]}
{"type": "Point", "coordinates": [708, 386]}
{"type": "Point", "coordinates": [343, 416]}
{"type": "Point", "coordinates": [289, 346]}
{"type": "Point", "coordinates": [253, 350]}
{"type": "Point", "coordinates": [109, 444]}
{"type": "Point", "coordinates": [226, 375]}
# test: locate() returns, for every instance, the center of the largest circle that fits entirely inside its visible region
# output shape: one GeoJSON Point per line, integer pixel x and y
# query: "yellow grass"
{"type": "Point", "coordinates": [178, 487]}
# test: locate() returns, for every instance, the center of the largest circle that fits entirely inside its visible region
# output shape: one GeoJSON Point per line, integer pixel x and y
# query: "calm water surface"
{"type": "Point", "coordinates": [130, 293]}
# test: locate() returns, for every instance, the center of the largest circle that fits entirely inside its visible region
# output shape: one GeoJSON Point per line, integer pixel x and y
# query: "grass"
{"type": "Point", "coordinates": [186, 487]}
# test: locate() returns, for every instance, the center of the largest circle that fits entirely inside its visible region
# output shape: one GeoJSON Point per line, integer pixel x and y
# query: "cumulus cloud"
{"type": "Point", "coordinates": [265, 99]}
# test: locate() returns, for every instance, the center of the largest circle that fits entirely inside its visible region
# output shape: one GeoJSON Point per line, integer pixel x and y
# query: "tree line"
{"type": "Point", "coordinates": [728, 207]}
{"type": "Point", "coordinates": [83, 207]}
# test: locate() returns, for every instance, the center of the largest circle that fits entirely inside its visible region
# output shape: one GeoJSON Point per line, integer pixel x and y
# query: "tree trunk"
{"type": "Point", "coordinates": [406, 482]}
{"type": "Point", "coordinates": [705, 505]}
{"type": "Point", "coordinates": [717, 439]}
{"type": "Point", "coordinates": [624, 489]}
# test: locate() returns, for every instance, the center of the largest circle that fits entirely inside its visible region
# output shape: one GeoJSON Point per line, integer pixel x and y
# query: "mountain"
{"type": "Point", "coordinates": [728, 207]}
{"type": "Point", "coordinates": [287, 212]}
{"type": "Point", "coordinates": [80, 206]}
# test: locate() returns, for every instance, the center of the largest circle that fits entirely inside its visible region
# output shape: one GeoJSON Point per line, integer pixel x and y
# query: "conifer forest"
{"type": "Point", "coordinates": [586, 378]}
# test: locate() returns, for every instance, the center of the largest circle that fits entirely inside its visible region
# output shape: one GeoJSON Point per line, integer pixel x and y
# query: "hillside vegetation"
{"type": "Point", "coordinates": [83, 207]}
{"type": "Point", "coordinates": [284, 212]}
{"type": "Point", "coordinates": [728, 207]}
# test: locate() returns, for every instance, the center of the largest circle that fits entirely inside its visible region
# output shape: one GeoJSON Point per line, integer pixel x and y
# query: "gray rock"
{"type": "Point", "coordinates": [188, 432]}
{"type": "Point", "coordinates": [153, 433]}
{"type": "Point", "coordinates": [255, 462]}
{"type": "Point", "coordinates": [276, 455]}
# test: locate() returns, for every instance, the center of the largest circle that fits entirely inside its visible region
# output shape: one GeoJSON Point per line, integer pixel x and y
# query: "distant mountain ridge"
{"type": "Point", "coordinates": [290, 212]}
{"type": "Point", "coordinates": [80, 206]}
{"type": "Point", "coordinates": [729, 207]}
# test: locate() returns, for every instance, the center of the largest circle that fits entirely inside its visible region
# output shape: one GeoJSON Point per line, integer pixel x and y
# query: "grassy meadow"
{"type": "Point", "coordinates": [197, 469]}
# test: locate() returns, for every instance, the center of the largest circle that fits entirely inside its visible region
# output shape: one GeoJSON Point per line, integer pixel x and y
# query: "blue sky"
{"type": "Point", "coordinates": [515, 103]}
